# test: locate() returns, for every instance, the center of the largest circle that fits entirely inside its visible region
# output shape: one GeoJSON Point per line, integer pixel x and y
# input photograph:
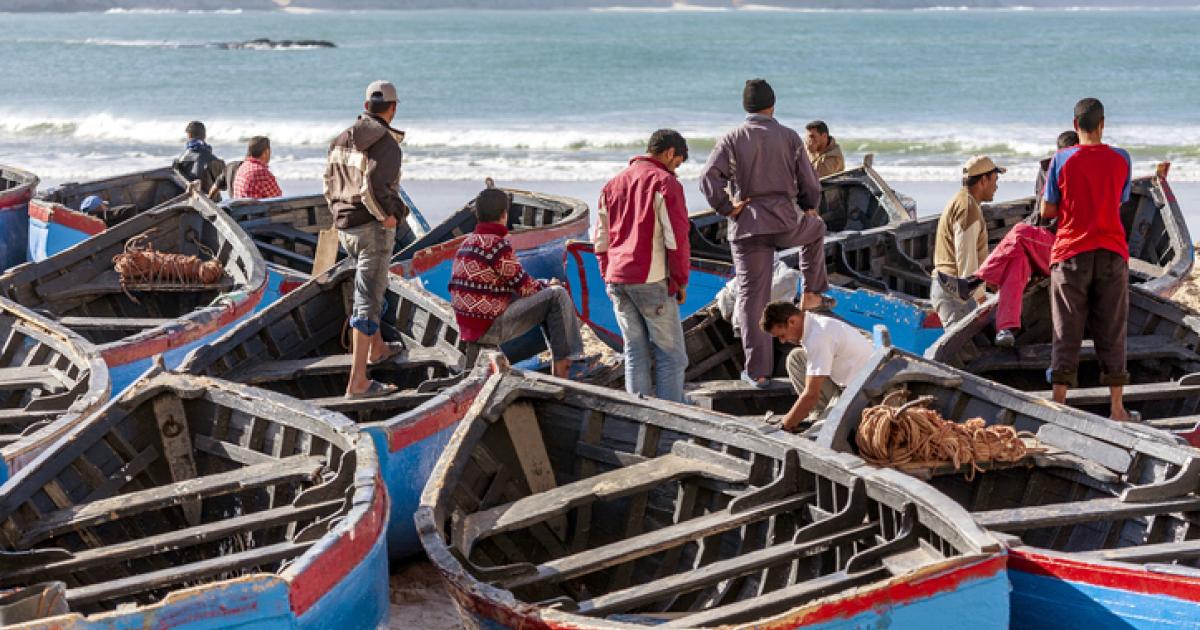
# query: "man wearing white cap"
{"type": "Point", "coordinates": [362, 187]}
{"type": "Point", "coordinates": [961, 244]}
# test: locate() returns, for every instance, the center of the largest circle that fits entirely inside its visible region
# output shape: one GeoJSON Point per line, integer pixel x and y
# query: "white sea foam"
{"type": "Point", "coordinates": [120, 11]}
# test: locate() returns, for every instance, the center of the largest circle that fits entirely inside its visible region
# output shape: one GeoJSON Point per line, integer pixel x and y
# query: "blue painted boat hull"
{"type": "Point", "coordinates": [19, 187]}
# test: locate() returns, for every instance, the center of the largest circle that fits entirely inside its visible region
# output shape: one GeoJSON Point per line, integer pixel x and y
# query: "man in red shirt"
{"type": "Point", "coordinates": [254, 179]}
{"type": "Point", "coordinates": [1089, 262]}
{"type": "Point", "coordinates": [642, 243]}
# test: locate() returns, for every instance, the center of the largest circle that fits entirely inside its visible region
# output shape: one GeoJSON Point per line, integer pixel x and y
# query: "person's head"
{"type": "Point", "coordinates": [668, 147]}
{"type": "Point", "coordinates": [783, 321]}
{"type": "Point", "coordinates": [1067, 139]}
{"type": "Point", "coordinates": [259, 148]}
{"type": "Point", "coordinates": [195, 130]}
{"type": "Point", "coordinates": [758, 97]}
{"type": "Point", "coordinates": [1089, 119]}
{"type": "Point", "coordinates": [816, 136]}
{"type": "Point", "coordinates": [93, 204]}
{"type": "Point", "coordinates": [981, 176]}
{"type": "Point", "coordinates": [491, 206]}
{"type": "Point", "coordinates": [381, 100]}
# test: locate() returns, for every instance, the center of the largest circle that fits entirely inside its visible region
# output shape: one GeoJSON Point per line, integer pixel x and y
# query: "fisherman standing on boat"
{"type": "Point", "coordinates": [760, 178]}
{"type": "Point", "coordinates": [828, 353]}
{"type": "Point", "coordinates": [642, 245]}
{"type": "Point", "coordinates": [1023, 250]}
{"type": "Point", "coordinates": [823, 150]}
{"type": "Point", "coordinates": [362, 182]}
{"type": "Point", "coordinates": [496, 301]}
{"type": "Point", "coordinates": [1089, 263]}
{"type": "Point", "coordinates": [198, 164]}
{"type": "Point", "coordinates": [961, 243]}
{"type": "Point", "coordinates": [254, 179]}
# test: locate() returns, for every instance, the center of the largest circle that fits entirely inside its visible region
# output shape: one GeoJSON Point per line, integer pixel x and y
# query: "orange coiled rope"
{"type": "Point", "coordinates": [140, 263]}
{"type": "Point", "coordinates": [896, 433]}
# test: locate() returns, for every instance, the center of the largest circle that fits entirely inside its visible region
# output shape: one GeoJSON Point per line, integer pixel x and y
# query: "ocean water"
{"type": "Point", "coordinates": [569, 96]}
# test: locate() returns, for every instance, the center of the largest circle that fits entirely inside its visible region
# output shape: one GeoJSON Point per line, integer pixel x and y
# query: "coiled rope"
{"type": "Point", "coordinates": [895, 433]}
{"type": "Point", "coordinates": [141, 264]}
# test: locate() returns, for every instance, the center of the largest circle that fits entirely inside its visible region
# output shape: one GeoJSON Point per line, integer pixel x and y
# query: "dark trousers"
{"type": "Point", "coordinates": [1089, 290]}
{"type": "Point", "coordinates": [754, 260]}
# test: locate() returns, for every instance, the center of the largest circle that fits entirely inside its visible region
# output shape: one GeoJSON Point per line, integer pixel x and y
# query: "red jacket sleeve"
{"type": "Point", "coordinates": [679, 248]}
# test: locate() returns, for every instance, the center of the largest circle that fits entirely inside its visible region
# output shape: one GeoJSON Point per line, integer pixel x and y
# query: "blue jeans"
{"type": "Point", "coordinates": [649, 321]}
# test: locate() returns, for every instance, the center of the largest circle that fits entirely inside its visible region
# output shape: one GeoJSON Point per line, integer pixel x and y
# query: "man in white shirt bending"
{"type": "Point", "coordinates": [829, 352]}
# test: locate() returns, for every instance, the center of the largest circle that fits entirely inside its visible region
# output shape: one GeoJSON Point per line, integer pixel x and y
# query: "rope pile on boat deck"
{"type": "Point", "coordinates": [896, 433]}
{"type": "Point", "coordinates": [141, 264]}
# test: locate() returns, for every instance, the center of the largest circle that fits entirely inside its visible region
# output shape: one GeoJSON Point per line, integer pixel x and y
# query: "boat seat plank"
{"type": "Point", "coordinates": [289, 232]}
{"type": "Point", "coordinates": [1037, 356]}
{"type": "Point", "coordinates": [271, 371]}
{"type": "Point", "coordinates": [271, 249]}
{"type": "Point", "coordinates": [153, 580]}
{"type": "Point", "coordinates": [286, 470]}
{"type": "Point", "coordinates": [42, 376]}
{"type": "Point", "coordinates": [1159, 552]}
{"type": "Point", "coordinates": [113, 323]}
{"type": "Point", "coordinates": [737, 566]}
{"type": "Point", "coordinates": [642, 545]}
{"type": "Point", "coordinates": [1075, 512]}
{"type": "Point", "coordinates": [780, 600]}
{"type": "Point", "coordinates": [400, 399]}
{"type": "Point", "coordinates": [68, 286]}
{"type": "Point", "coordinates": [603, 487]}
{"type": "Point", "coordinates": [1132, 393]}
{"type": "Point", "coordinates": [172, 540]}
{"type": "Point", "coordinates": [21, 417]}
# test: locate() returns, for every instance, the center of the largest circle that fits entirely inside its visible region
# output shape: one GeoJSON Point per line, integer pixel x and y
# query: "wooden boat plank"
{"type": "Point", "coordinates": [172, 576]}
{"type": "Point", "coordinates": [1158, 552]}
{"type": "Point", "coordinates": [43, 376]}
{"type": "Point", "coordinates": [186, 537]}
{"type": "Point", "coordinates": [605, 486]}
{"type": "Point", "coordinates": [272, 250]}
{"type": "Point", "coordinates": [25, 416]}
{"type": "Point", "coordinates": [1038, 355]}
{"type": "Point", "coordinates": [124, 474]}
{"type": "Point", "coordinates": [176, 440]}
{"type": "Point", "coordinates": [722, 570]}
{"type": "Point", "coordinates": [232, 452]}
{"type": "Point", "coordinates": [1074, 512]}
{"type": "Point", "coordinates": [1132, 393]}
{"type": "Point", "coordinates": [113, 323]}
{"type": "Point", "coordinates": [779, 600]}
{"type": "Point", "coordinates": [271, 371]}
{"type": "Point", "coordinates": [640, 546]}
{"type": "Point", "coordinates": [404, 398]}
{"type": "Point", "coordinates": [296, 468]}
{"type": "Point", "coordinates": [521, 421]}
{"type": "Point", "coordinates": [1108, 455]}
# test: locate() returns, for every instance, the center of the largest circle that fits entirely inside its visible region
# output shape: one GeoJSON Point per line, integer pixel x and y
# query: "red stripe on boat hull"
{"type": "Point", "coordinates": [1131, 578]}
{"type": "Point", "coordinates": [48, 212]}
{"type": "Point", "coordinates": [448, 414]}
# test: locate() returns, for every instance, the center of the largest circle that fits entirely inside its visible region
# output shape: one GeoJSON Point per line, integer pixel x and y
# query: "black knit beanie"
{"type": "Point", "coordinates": [757, 95]}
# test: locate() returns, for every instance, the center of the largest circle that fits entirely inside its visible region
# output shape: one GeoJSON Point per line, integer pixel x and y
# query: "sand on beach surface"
{"type": "Point", "coordinates": [419, 600]}
{"type": "Point", "coordinates": [1188, 293]}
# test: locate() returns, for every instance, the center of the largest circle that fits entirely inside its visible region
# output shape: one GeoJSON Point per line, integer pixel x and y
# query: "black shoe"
{"type": "Point", "coordinates": [1005, 339]}
{"type": "Point", "coordinates": [961, 287]}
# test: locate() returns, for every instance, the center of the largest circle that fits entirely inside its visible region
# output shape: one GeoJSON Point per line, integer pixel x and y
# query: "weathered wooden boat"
{"type": "Point", "coordinates": [1099, 518]}
{"type": "Point", "coordinates": [539, 226]}
{"type": "Point", "coordinates": [852, 200]}
{"type": "Point", "coordinates": [17, 187]}
{"type": "Point", "coordinates": [49, 376]}
{"type": "Point", "coordinates": [56, 223]}
{"type": "Point", "coordinates": [286, 229]}
{"type": "Point", "coordinates": [1162, 356]}
{"type": "Point", "coordinates": [882, 276]}
{"type": "Point", "coordinates": [80, 289]}
{"type": "Point", "coordinates": [191, 501]}
{"type": "Point", "coordinates": [298, 346]}
{"type": "Point", "coordinates": [563, 505]}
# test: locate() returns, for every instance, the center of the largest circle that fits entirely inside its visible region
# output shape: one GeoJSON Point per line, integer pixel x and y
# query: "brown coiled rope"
{"type": "Point", "coordinates": [896, 433]}
{"type": "Point", "coordinates": [140, 263]}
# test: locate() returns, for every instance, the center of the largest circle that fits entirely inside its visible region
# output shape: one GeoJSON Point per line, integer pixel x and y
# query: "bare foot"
{"type": "Point", "coordinates": [562, 368]}
{"type": "Point", "coordinates": [1121, 416]}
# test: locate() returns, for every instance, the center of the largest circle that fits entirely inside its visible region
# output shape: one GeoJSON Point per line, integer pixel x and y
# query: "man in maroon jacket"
{"type": "Point", "coordinates": [760, 178]}
{"type": "Point", "coordinates": [642, 243]}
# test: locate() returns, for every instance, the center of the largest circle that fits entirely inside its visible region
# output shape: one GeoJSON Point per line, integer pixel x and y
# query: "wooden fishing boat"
{"type": "Point", "coordinates": [56, 223]}
{"type": "Point", "coordinates": [286, 229]}
{"type": "Point", "coordinates": [194, 501]}
{"type": "Point", "coordinates": [50, 377]}
{"type": "Point", "coordinates": [17, 187]}
{"type": "Point", "coordinates": [80, 289]}
{"type": "Point", "coordinates": [1098, 518]}
{"type": "Point", "coordinates": [882, 276]}
{"type": "Point", "coordinates": [564, 505]}
{"type": "Point", "coordinates": [298, 346]}
{"type": "Point", "coordinates": [852, 200]}
{"type": "Point", "coordinates": [1162, 356]}
{"type": "Point", "coordinates": [539, 227]}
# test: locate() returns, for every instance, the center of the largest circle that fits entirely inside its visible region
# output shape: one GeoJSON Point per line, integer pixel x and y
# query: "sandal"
{"type": "Point", "coordinates": [762, 384]}
{"type": "Point", "coordinates": [394, 348]}
{"type": "Point", "coordinates": [375, 389]}
{"type": "Point", "coordinates": [826, 304]}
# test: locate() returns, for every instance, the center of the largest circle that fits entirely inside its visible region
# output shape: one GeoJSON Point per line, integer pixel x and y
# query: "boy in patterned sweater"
{"type": "Point", "coordinates": [494, 300]}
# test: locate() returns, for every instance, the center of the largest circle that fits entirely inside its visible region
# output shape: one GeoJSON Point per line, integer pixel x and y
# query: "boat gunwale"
{"type": "Point", "coordinates": [27, 183]}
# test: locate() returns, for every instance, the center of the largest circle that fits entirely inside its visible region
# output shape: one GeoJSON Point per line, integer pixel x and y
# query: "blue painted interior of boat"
{"type": "Point", "coordinates": [1045, 602]}
{"type": "Point", "coordinates": [14, 235]}
{"type": "Point", "coordinates": [49, 238]}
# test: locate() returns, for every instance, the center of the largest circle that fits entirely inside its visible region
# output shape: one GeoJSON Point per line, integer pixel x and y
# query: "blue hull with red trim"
{"type": "Point", "coordinates": [17, 189]}
{"type": "Point", "coordinates": [54, 228]}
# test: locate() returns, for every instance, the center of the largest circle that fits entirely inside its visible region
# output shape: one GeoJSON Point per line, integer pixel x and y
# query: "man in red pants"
{"type": "Point", "coordinates": [1007, 269]}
